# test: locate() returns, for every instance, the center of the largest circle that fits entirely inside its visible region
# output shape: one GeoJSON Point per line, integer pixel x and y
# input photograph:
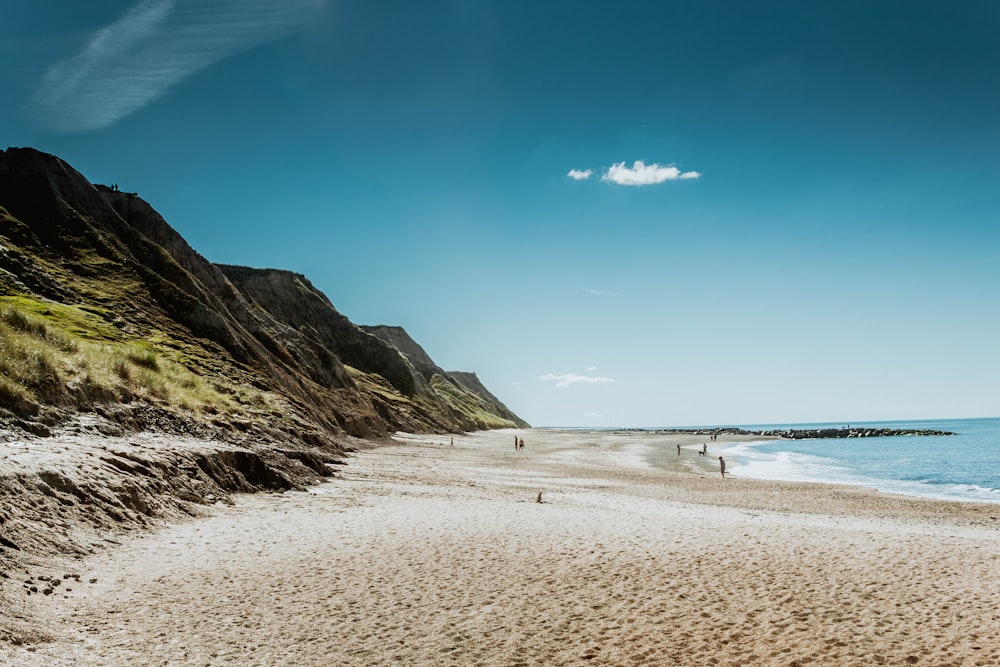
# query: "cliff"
{"type": "Point", "coordinates": [467, 398]}
{"type": "Point", "coordinates": [112, 326]}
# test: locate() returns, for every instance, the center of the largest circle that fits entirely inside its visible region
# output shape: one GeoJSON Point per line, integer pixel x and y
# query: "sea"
{"type": "Point", "coordinates": [965, 466]}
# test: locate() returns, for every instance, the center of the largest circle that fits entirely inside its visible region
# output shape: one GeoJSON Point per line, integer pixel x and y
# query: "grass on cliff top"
{"type": "Point", "coordinates": [70, 356]}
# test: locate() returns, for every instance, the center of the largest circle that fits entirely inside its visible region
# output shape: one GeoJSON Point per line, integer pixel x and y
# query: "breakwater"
{"type": "Point", "coordinates": [804, 433]}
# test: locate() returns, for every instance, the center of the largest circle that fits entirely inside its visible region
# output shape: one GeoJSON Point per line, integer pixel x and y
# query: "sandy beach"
{"type": "Point", "coordinates": [423, 553]}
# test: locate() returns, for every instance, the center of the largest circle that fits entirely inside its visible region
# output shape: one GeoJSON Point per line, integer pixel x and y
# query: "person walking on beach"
{"type": "Point", "coordinates": [722, 467]}
{"type": "Point", "coordinates": [704, 448]}
{"type": "Point", "coordinates": [678, 449]}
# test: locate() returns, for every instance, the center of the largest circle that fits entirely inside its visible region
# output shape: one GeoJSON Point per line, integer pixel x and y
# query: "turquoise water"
{"type": "Point", "coordinates": [965, 466]}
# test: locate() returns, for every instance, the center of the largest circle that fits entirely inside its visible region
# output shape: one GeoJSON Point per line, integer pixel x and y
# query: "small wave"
{"type": "Point", "coordinates": [960, 492]}
{"type": "Point", "coordinates": [753, 459]}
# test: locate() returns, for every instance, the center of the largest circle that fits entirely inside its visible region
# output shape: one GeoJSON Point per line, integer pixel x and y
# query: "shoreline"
{"type": "Point", "coordinates": [737, 461]}
{"type": "Point", "coordinates": [667, 462]}
{"type": "Point", "coordinates": [423, 553]}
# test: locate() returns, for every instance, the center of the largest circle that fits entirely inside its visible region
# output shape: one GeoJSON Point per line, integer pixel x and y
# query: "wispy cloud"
{"type": "Point", "coordinates": [641, 173]}
{"type": "Point", "coordinates": [155, 45]}
{"type": "Point", "coordinates": [580, 174]}
{"type": "Point", "coordinates": [601, 292]}
{"type": "Point", "coordinates": [571, 378]}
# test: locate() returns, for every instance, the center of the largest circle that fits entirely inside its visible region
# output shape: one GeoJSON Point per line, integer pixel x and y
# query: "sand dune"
{"type": "Point", "coordinates": [426, 554]}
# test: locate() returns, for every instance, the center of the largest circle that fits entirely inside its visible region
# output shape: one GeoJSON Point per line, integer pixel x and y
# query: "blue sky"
{"type": "Point", "coordinates": [792, 212]}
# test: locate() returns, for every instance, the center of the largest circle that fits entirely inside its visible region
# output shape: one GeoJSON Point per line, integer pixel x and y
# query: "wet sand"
{"type": "Point", "coordinates": [425, 554]}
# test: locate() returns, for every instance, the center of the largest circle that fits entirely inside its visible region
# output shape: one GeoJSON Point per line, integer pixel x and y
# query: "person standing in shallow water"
{"type": "Point", "coordinates": [722, 467]}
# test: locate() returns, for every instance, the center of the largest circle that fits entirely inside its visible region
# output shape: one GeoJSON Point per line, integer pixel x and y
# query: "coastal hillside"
{"type": "Point", "coordinates": [112, 326]}
{"type": "Point", "coordinates": [470, 400]}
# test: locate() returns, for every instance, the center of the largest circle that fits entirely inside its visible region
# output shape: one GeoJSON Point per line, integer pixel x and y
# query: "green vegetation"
{"type": "Point", "coordinates": [67, 355]}
{"type": "Point", "coordinates": [473, 410]}
{"type": "Point", "coordinates": [373, 384]}
{"type": "Point", "coordinates": [469, 404]}
{"type": "Point", "coordinates": [92, 313]}
{"type": "Point", "coordinates": [72, 322]}
{"type": "Point", "coordinates": [27, 362]}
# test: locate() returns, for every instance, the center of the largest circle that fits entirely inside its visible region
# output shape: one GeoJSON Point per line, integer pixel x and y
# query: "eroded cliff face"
{"type": "Point", "coordinates": [410, 404]}
{"type": "Point", "coordinates": [398, 338]}
{"type": "Point", "coordinates": [139, 380]}
{"type": "Point", "coordinates": [67, 241]}
{"type": "Point", "coordinates": [467, 398]}
{"type": "Point", "coordinates": [473, 384]}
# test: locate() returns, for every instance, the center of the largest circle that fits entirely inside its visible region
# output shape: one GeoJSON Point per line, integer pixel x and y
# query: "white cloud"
{"type": "Point", "coordinates": [590, 369]}
{"type": "Point", "coordinates": [641, 173]}
{"type": "Point", "coordinates": [592, 415]}
{"type": "Point", "coordinates": [580, 174]}
{"type": "Point", "coordinates": [571, 378]}
{"type": "Point", "coordinates": [155, 45]}
{"type": "Point", "coordinates": [601, 292]}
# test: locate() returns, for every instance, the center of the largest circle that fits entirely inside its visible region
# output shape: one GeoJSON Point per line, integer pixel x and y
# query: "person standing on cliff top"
{"type": "Point", "coordinates": [722, 467]}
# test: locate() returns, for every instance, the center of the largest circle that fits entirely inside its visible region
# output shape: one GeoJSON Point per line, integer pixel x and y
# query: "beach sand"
{"type": "Point", "coordinates": [421, 553]}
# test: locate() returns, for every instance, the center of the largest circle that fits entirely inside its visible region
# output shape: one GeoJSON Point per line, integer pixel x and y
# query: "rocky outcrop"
{"type": "Point", "coordinates": [813, 433]}
{"type": "Point", "coordinates": [847, 432]}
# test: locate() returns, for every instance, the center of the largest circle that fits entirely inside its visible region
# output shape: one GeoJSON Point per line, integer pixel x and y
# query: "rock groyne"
{"type": "Point", "coordinates": [813, 433]}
